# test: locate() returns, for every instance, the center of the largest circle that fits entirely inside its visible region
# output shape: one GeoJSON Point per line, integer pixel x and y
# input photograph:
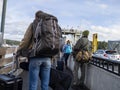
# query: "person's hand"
{"type": "Point", "coordinates": [18, 53]}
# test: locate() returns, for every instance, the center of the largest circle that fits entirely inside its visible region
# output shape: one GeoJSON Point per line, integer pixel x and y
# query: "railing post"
{"type": "Point", "coordinates": [112, 67]}
{"type": "Point", "coordinates": [108, 66]}
{"type": "Point", "coordinates": [119, 69]}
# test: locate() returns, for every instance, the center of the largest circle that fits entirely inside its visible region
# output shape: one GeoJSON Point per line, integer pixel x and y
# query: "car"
{"type": "Point", "coordinates": [107, 54]}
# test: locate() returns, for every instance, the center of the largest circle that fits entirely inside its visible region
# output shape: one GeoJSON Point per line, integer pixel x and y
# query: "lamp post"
{"type": "Point", "coordinates": [3, 21]}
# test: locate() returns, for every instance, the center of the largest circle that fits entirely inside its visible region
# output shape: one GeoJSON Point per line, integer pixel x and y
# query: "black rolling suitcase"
{"type": "Point", "coordinates": [60, 65]}
{"type": "Point", "coordinates": [10, 81]}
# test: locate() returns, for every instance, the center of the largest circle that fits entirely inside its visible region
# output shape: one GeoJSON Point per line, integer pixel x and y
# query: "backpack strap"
{"type": "Point", "coordinates": [39, 24]}
{"type": "Point", "coordinates": [82, 47]}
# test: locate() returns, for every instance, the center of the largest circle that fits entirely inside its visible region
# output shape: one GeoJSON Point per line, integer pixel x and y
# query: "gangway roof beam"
{"type": "Point", "coordinates": [76, 34]}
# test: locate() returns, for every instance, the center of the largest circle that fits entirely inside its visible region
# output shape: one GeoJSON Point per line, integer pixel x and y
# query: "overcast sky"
{"type": "Point", "coordinates": [97, 16]}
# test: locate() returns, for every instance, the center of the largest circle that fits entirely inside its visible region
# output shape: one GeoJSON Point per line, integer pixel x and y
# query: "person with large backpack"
{"type": "Point", "coordinates": [42, 42]}
{"type": "Point", "coordinates": [83, 44]}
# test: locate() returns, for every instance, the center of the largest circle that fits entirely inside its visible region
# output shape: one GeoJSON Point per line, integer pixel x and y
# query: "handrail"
{"type": "Point", "coordinates": [14, 62]}
{"type": "Point", "coordinates": [112, 66]}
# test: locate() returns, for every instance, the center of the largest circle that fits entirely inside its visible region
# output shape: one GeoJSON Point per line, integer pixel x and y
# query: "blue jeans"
{"type": "Point", "coordinates": [39, 67]}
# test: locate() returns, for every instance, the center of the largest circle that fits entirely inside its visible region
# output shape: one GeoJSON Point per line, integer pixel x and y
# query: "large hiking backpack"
{"type": "Point", "coordinates": [47, 36]}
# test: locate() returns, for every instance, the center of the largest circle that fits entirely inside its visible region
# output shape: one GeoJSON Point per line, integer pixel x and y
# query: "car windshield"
{"type": "Point", "coordinates": [99, 52]}
{"type": "Point", "coordinates": [111, 52]}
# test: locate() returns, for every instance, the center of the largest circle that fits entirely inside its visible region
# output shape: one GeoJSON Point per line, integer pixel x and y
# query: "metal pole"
{"type": "Point", "coordinates": [3, 20]}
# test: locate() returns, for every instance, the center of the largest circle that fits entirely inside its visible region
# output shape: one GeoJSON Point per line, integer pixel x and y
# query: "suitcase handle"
{"type": "Point", "coordinates": [14, 62]}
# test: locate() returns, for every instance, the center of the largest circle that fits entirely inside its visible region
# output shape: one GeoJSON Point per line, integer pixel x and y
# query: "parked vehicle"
{"type": "Point", "coordinates": [108, 54]}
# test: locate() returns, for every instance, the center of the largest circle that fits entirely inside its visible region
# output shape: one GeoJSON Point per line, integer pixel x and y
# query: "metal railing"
{"type": "Point", "coordinates": [112, 66]}
{"type": "Point", "coordinates": [14, 64]}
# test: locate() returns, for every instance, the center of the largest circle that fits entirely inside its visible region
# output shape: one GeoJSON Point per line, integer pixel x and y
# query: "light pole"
{"type": "Point", "coordinates": [3, 21]}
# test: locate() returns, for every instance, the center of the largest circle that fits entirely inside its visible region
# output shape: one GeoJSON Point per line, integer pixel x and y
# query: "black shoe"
{"type": "Point", "coordinates": [82, 86]}
{"type": "Point", "coordinates": [74, 86]}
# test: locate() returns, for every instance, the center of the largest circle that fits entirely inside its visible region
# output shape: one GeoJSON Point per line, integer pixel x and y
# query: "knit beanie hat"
{"type": "Point", "coordinates": [85, 33]}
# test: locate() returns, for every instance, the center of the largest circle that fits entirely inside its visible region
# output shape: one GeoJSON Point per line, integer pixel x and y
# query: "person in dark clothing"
{"type": "Point", "coordinates": [82, 44]}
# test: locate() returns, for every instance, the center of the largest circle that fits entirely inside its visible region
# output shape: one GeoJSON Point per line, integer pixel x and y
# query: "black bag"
{"type": "Point", "coordinates": [24, 66]}
{"type": "Point", "coordinates": [60, 80]}
{"type": "Point", "coordinates": [10, 82]}
{"type": "Point", "coordinates": [47, 35]}
{"type": "Point", "coordinates": [60, 65]}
